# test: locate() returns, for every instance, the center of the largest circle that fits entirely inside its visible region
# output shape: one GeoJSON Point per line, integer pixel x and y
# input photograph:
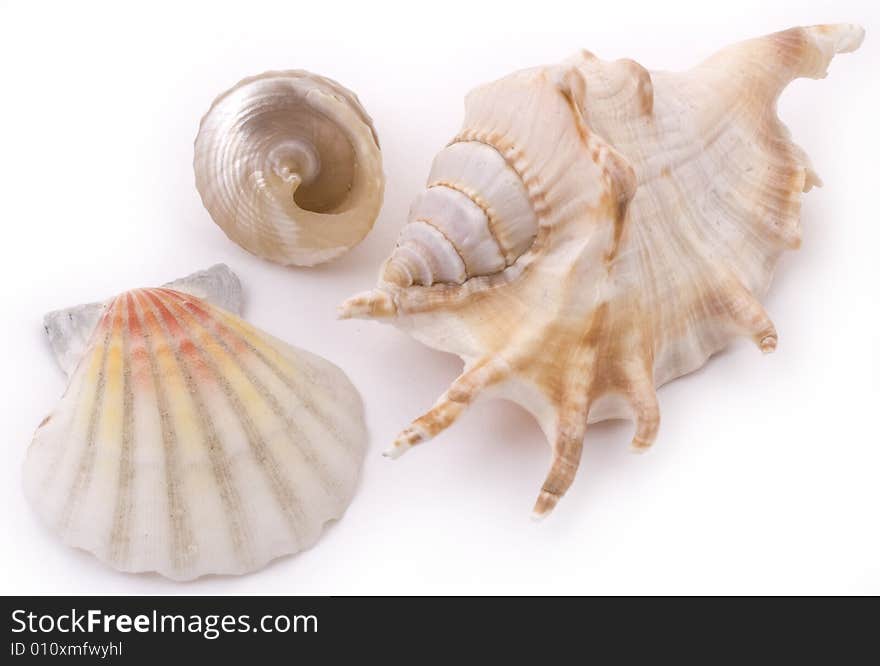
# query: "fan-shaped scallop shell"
{"type": "Point", "coordinates": [288, 165]}
{"type": "Point", "coordinates": [189, 442]}
{"type": "Point", "coordinates": [596, 230]}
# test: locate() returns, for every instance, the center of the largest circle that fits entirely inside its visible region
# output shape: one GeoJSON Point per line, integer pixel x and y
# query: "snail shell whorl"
{"type": "Point", "coordinates": [288, 165]}
{"type": "Point", "coordinates": [475, 218]}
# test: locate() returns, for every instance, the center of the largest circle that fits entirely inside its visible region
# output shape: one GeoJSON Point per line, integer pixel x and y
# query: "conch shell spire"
{"type": "Point", "coordinates": [596, 230]}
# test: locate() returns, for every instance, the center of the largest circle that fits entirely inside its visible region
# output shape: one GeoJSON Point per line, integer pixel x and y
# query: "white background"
{"type": "Point", "coordinates": [766, 475]}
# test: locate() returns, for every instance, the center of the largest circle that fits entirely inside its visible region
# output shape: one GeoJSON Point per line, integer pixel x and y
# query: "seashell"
{"type": "Point", "coordinates": [70, 330]}
{"type": "Point", "coordinates": [288, 165]}
{"type": "Point", "coordinates": [189, 442]}
{"type": "Point", "coordinates": [596, 230]}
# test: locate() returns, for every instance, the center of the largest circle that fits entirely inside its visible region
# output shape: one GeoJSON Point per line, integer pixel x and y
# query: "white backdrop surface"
{"type": "Point", "coordinates": [766, 474]}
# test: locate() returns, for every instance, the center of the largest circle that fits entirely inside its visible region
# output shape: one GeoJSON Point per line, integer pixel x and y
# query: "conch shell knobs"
{"type": "Point", "coordinates": [288, 165]}
{"type": "Point", "coordinates": [596, 230]}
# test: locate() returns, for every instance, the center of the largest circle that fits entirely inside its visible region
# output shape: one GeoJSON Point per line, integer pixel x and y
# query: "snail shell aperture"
{"type": "Point", "coordinates": [288, 165]}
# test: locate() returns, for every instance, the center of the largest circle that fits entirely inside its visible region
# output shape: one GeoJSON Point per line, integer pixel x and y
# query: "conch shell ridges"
{"type": "Point", "coordinates": [663, 202]}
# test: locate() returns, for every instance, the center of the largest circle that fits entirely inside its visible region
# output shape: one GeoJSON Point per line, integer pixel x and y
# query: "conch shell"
{"type": "Point", "coordinates": [288, 165]}
{"type": "Point", "coordinates": [189, 442]}
{"type": "Point", "coordinates": [596, 230]}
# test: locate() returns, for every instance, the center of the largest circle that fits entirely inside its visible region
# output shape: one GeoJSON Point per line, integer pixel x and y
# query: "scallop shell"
{"type": "Point", "coordinates": [596, 230]}
{"type": "Point", "coordinates": [288, 165]}
{"type": "Point", "coordinates": [189, 442]}
{"type": "Point", "coordinates": [70, 330]}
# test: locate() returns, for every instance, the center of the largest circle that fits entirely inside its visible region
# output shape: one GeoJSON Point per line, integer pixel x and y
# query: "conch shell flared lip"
{"type": "Point", "coordinates": [595, 230]}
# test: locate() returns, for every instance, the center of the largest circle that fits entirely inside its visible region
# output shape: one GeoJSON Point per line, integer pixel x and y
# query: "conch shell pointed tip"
{"type": "Point", "coordinates": [768, 344]}
{"type": "Point", "coordinates": [545, 503]}
{"type": "Point", "coordinates": [847, 37]}
{"type": "Point", "coordinates": [395, 451]}
{"type": "Point", "coordinates": [368, 305]}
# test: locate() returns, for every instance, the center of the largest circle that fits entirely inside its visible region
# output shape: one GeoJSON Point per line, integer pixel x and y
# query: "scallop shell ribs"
{"type": "Point", "coordinates": [189, 442]}
{"type": "Point", "coordinates": [595, 230]}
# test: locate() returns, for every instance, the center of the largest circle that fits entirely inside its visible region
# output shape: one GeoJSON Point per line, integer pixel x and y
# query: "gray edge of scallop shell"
{"type": "Point", "coordinates": [69, 329]}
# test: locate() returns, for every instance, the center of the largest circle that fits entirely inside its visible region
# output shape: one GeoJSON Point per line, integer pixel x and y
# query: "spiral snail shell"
{"type": "Point", "coordinates": [288, 165]}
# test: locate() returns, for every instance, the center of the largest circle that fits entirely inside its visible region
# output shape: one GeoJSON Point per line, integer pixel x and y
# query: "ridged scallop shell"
{"type": "Point", "coordinates": [288, 165]}
{"type": "Point", "coordinates": [189, 442]}
{"type": "Point", "coordinates": [596, 230]}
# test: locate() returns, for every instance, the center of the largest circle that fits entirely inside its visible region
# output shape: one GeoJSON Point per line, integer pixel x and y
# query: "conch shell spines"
{"type": "Point", "coordinates": [661, 203]}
